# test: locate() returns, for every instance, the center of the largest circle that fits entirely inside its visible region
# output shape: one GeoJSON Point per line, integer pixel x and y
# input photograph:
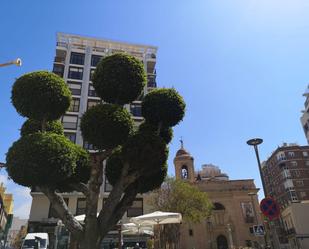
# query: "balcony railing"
{"type": "Point", "coordinates": [59, 59]}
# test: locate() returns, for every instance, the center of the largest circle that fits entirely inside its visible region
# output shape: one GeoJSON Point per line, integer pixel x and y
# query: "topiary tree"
{"type": "Point", "coordinates": [135, 159]}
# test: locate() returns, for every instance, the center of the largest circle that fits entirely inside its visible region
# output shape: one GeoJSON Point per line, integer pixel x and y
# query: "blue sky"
{"type": "Point", "coordinates": [241, 65]}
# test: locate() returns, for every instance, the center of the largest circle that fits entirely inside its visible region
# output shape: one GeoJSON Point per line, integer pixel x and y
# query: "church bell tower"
{"type": "Point", "coordinates": [184, 167]}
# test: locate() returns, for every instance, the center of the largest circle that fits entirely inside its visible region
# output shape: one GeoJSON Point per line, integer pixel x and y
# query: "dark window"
{"type": "Point", "coordinates": [91, 103]}
{"type": "Point", "coordinates": [88, 146]}
{"type": "Point", "coordinates": [151, 82]}
{"type": "Point", "coordinates": [74, 107]}
{"type": "Point", "coordinates": [91, 91]}
{"type": "Point", "coordinates": [91, 74]}
{"type": "Point", "coordinates": [69, 122]}
{"type": "Point", "coordinates": [75, 87]}
{"type": "Point", "coordinates": [75, 73]}
{"type": "Point", "coordinates": [95, 60]}
{"type": "Point", "coordinates": [107, 186]}
{"type": "Point", "coordinates": [136, 110]}
{"type": "Point", "coordinates": [77, 58]}
{"type": "Point", "coordinates": [136, 209]}
{"type": "Point", "coordinates": [70, 136]}
{"type": "Point", "coordinates": [58, 69]}
{"type": "Point", "coordinates": [81, 206]}
{"type": "Point", "coordinates": [190, 232]}
{"type": "Point", "coordinates": [52, 212]}
{"type": "Point", "coordinates": [218, 206]}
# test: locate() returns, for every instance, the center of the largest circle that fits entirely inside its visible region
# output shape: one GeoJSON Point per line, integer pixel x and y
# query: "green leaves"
{"type": "Point", "coordinates": [119, 78]}
{"type": "Point", "coordinates": [41, 159]}
{"type": "Point", "coordinates": [163, 106]}
{"type": "Point", "coordinates": [180, 196]}
{"type": "Point", "coordinates": [41, 95]}
{"type": "Point", "coordinates": [106, 125]}
{"type": "Point", "coordinates": [32, 126]}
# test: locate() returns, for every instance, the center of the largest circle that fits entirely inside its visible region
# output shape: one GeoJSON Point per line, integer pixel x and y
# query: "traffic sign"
{"type": "Point", "coordinates": [270, 208]}
{"type": "Point", "coordinates": [259, 230]}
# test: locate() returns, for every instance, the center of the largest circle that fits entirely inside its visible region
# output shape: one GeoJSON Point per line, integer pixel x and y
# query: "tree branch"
{"type": "Point", "coordinates": [63, 212]}
{"type": "Point", "coordinates": [119, 210]}
{"type": "Point", "coordinates": [80, 187]}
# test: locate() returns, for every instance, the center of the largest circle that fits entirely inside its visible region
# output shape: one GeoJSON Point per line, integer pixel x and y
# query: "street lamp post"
{"type": "Point", "coordinates": [16, 62]}
{"type": "Point", "coordinates": [255, 142]}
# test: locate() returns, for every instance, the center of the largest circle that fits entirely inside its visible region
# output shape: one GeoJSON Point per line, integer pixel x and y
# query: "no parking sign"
{"type": "Point", "coordinates": [270, 208]}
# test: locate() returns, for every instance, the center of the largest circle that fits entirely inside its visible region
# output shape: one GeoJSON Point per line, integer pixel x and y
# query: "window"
{"type": "Point", "coordinates": [92, 103]}
{"type": "Point", "coordinates": [75, 87]}
{"type": "Point", "coordinates": [52, 212]}
{"type": "Point", "coordinates": [184, 172]}
{"type": "Point", "coordinates": [77, 58]}
{"type": "Point", "coordinates": [307, 163]}
{"type": "Point", "coordinates": [74, 107]}
{"type": "Point", "coordinates": [136, 110]}
{"type": "Point", "coordinates": [300, 183]}
{"type": "Point", "coordinates": [58, 69]}
{"type": "Point", "coordinates": [107, 186]}
{"type": "Point", "coordinates": [291, 154]}
{"type": "Point", "coordinates": [190, 232]}
{"type": "Point", "coordinates": [136, 209]}
{"type": "Point", "coordinates": [75, 73]}
{"type": "Point", "coordinates": [88, 146]}
{"type": "Point", "coordinates": [151, 81]}
{"type": "Point", "coordinates": [293, 195]}
{"type": "Point", "coordinates": [81, 206]}
{"type": "Point", "coordinates": [294, 163]}
{"type": "Point", "coordinates": [91, 91]}
{"type": "Point", "coordinates": [69, 122]}
{"type": "Point", "coordinates": [303, 194]}
{"type": "Point", "coordinates": [305, 153]}
{"type": "Point", "coordinates": [91, 74]}
{"type": "Point", "coordinates": [95, 60]}
{"type": "Point", "coordinates": [297, 173]}
{"type": "Point", "coordinates": [71, 136]}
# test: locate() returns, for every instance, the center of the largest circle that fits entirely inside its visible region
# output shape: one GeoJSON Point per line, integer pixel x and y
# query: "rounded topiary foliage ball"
{"type": "Point", "coordinates": [81, 172]}
{"type": "Point", "coordinates": [114, 165]}
{"type": "Point", "coordinates": [163, 106]}
{"type": "Point", "coordinates": [106, 125]}
{"type": "Point", "coordinates": [119, 78]}
{"type": "Point", "coordinates": [146, 183]}
{"type": "Point", "coordinates": [41, 95]}
{"type": "Point", "coordinates": [165, 133]}
{"type": "Point", "coordinates": [41, 159]}
{"type": "Point", "coordinates": [144, 152]}
{"type": "Point", "coordinates": [33, 126]}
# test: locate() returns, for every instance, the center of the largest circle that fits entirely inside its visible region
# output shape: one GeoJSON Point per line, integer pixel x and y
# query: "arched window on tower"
{"type": "Point", "coordinates": [184, 172]}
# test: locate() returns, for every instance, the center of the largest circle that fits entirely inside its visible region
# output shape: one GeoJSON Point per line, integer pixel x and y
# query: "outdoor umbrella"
{"type": "Point", "coordinates": [157, 218]}
{"type": "Point", "coordinates": [132, 228]}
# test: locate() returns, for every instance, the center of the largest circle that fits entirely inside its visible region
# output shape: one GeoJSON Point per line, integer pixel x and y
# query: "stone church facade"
{"type": "Point", "coordinates": [236, 208]}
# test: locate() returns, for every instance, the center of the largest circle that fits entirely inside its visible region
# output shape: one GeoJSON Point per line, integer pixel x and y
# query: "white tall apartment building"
{"type": "Point", "coordinates": [305, 117]}
{"type": "Point", "coordinates": [76, 59]}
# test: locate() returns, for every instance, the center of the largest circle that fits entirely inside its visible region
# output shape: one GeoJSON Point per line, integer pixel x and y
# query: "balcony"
{"type": "Point", "coordinates": [60, 60]}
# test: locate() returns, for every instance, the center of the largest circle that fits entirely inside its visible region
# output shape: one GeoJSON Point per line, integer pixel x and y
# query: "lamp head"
{"type": "Point", "coordinates": [17, 62]}
{"type": "Point", "coordinates": [255, 141]}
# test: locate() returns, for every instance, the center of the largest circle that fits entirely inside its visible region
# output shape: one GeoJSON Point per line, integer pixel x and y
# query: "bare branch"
{"type": "Point", "coordinates": [63, 212]}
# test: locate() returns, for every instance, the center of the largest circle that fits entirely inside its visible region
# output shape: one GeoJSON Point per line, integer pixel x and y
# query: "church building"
{"type": "Point", "coordinates": [235, 212]}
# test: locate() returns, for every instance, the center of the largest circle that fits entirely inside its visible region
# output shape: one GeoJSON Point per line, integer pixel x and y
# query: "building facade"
{"type": "Point", "coordinates": [16, 227]}
{"type": "Point", "coordinates": [235, 208]}
{"type": "Point", "coordinates": [296, 221]}
{"type": "Point", "coordinates": [286, 177]}
{"type": "Point", "coordinates": [76, 59]}
{"type": "Point", "coordinates": [305, 115]}
{"type": "Point", "coordinates": [286, 174]}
